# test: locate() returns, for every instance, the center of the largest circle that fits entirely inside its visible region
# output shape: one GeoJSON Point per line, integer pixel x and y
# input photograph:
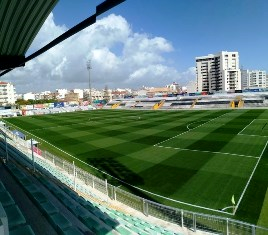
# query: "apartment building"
{"type": "Point", "coordinates": [244, 79]}
{"type": "Point", "coordinates": [7, 93]}
{"type": "Point", "coordinates": [254, 79]}
{"type": "Point", "coordinates": [218, 72]}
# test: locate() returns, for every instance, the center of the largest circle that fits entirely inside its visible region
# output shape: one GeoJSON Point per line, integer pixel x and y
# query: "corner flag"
{"type": "Point", "coordinates": [233, 201]}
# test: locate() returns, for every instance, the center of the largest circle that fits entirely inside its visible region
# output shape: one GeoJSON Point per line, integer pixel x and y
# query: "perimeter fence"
{"type": "Point", "coordinates": [191, 220]}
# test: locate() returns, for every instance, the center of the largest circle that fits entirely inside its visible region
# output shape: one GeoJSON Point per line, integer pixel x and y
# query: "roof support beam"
{"type": "Point", "coordinates": [101, 8]}
{"type": "Point", "coordinates": [10, 61]}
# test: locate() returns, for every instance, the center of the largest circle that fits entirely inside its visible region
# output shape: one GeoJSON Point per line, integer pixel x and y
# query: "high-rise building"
{"type": "Point", "coordinates": [218, 72]}
{"type": "Point", "coordinates": [254, 79]}
{"type": "Point", "coordinates": [7, 93]}
{"type": "Point", "coordinates": [257, 78]}
{"type": "Point", "coordinates": [244, 78]}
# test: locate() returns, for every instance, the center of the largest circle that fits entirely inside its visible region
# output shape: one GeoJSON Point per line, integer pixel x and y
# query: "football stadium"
{"type": "Point", "coordinates": [193, 164]}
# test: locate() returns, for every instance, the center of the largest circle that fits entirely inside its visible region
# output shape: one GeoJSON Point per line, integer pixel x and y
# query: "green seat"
{"type": "Point", "coordinates": [90, 206]}
{"type": "Point", "coordinates": [65, 201]}
{"type": "Point", "coordinates": [60, 222]}
{"type": "Point", "coordinates": [111, 222]}
{"type": "Point", "coordinates": [6, 199]}
{"type": "Point", "coordinates": [2, 187]}
{"type": "Point", "coordinates": [101, 230]}
{"type": "Point", "coordinates": [25, 230]}
{"type": "Point", "coordinates": [106, 218]}
{"type": "Point", "coordinates": [25, 181]}
{"type": "Point", "coordinates": [14, 216]}
{"type": "Point", "coordinates": [96, 225]}
{"type": "Point", "coordinates": [123, 230]}
{"type": "Point", "coordinates": [71, 231]}
{"type": "Point", "coordinates": [31, 188]}
{"type": "Point", "coordinates": [81, 212]}
{"type": "Point", "coordinates": [90, 222]}
{"type": "Point", "coordinates": [135, 229]}
{"type": "Point", "coordinates": [158, 230]}
{"type": "Point", "coordinates": [39, 197]}
{"type": "Point", "coordinates": [81, 200]}
{"type": "Point", "coordinates": [49, 208]}
{"type": "Point", "coordinates": [18, 174]}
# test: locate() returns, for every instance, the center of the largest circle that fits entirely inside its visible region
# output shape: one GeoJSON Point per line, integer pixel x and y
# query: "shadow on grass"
{"type": "Point", "coordinates": [117, 170]}
{"type": "Point", "coordinates": [221, 136]}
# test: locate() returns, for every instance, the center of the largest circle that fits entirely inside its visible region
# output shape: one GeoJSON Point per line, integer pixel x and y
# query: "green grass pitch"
{"type": "Point", "coordinates": [198, 159]}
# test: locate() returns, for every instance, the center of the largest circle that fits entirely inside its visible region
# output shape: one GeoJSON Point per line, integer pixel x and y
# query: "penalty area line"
{"type": "Point", "coordinates": [239, 133]}
{"type": "Point", "coordinates": [254, 169]}
{"type": "Point", "coordinates": [228, 207]}
{"type": "Point", "coordinates": [190, 130]}
{"type": "Point", "coordinates": [206, 151]}
{"type": "Point", "coordinates": [264, 136]}
{"type": "Point", "coordinates": [195, 122]}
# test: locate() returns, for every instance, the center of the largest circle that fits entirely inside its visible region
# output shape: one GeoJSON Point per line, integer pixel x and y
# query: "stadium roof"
{"type": "Point", "coordinates": [20, 21]}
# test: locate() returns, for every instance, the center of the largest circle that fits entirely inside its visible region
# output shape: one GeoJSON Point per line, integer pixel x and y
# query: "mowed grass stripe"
{"type": "Point", "coordinates": [117, 137]}
{"type": "Point", "coordinates": [220, 138]}
{"type": "Point", "coordinates": [222, 175]}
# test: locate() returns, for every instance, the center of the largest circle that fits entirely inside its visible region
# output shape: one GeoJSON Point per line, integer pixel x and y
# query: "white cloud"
{"type": "Point", "coordinates": [47, 33]}
{"type": "Point", "coordinates": [119, 58]}
{"type": "Point", "coordinates": [189, 75]}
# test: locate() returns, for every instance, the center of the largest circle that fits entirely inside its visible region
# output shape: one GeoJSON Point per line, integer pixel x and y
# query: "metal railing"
{"type": "Point", "coordinates": [191, 220]}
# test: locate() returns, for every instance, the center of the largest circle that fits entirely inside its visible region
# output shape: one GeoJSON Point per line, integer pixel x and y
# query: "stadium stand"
{"type": "Point", "coordinates": [212, 104]}
{"type": "Point", "coordinates": [50, 193]}
{"type": "Point", "coordinates": [129, 104]}
{"type": "Point", "coordinates": [217, 101]}
{"type": "Point", "coordinates": [254, 102]}
{"type": "Point", "coordinates": [145, 104]}
{"type": "Point", "coordinates": [115, 105]}
{"type": "Point", "coordinates": [159, 104]}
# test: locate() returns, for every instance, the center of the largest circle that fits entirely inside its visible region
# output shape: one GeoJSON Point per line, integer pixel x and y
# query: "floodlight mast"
{"type": "Point", "coordinates": [89, 81]}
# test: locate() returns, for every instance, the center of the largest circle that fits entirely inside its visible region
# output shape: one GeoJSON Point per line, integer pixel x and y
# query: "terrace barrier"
{"type": "Point", "coordinates": [80, 178]}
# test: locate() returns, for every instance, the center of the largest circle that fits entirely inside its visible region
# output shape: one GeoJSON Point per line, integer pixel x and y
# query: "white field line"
{"type": "Point", "coordinates": [170, 199]}
{"type": "Point", "coordinates": [193, 123]}
{"type": "Point", "coordinates": [206, 151]}
{"type": "Point", "coordinates": [246, 126]}
{"type": "Point", "coordinates": [189, 130]}
{"type": "Point", "coordinates": [265, 136]}
{"type": "Point", "coordinates": [242, 195]}
{"type": "Point", "coordinates": [249, 125]}
{"type": "Point", "coordinates": [228, 207]}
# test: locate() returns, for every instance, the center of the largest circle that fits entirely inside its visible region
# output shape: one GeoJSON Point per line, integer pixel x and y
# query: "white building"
{"type": "Point", "coordinates": [61, 93]}
{"type": "Point", "coordinates": [95, 94]}
{"type": "Point", "coordinates": [254, 79]}
{"type": "Point", "coordinates": [28, 96]}
{"type": "Point", "coordinates": [174, 87]}
{"type": "Point", "coordinates": [257, 78]}
{"type": "Point", "coordinates": [244, 78]}
{"type": "Point", "coordinates": [7, 93]}
{"type": "Point", "coordinates": [218, 72]}
{"type": "Point", "coordinates": [191, 87]}
{"type": "Point", "coordinates": [80, 93]}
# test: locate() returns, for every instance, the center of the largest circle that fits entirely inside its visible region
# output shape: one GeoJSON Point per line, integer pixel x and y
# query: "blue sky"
{"type": "Point", "coordinates": [146, 42]}
{"type": "Point", "coordinates": [194, 27]}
